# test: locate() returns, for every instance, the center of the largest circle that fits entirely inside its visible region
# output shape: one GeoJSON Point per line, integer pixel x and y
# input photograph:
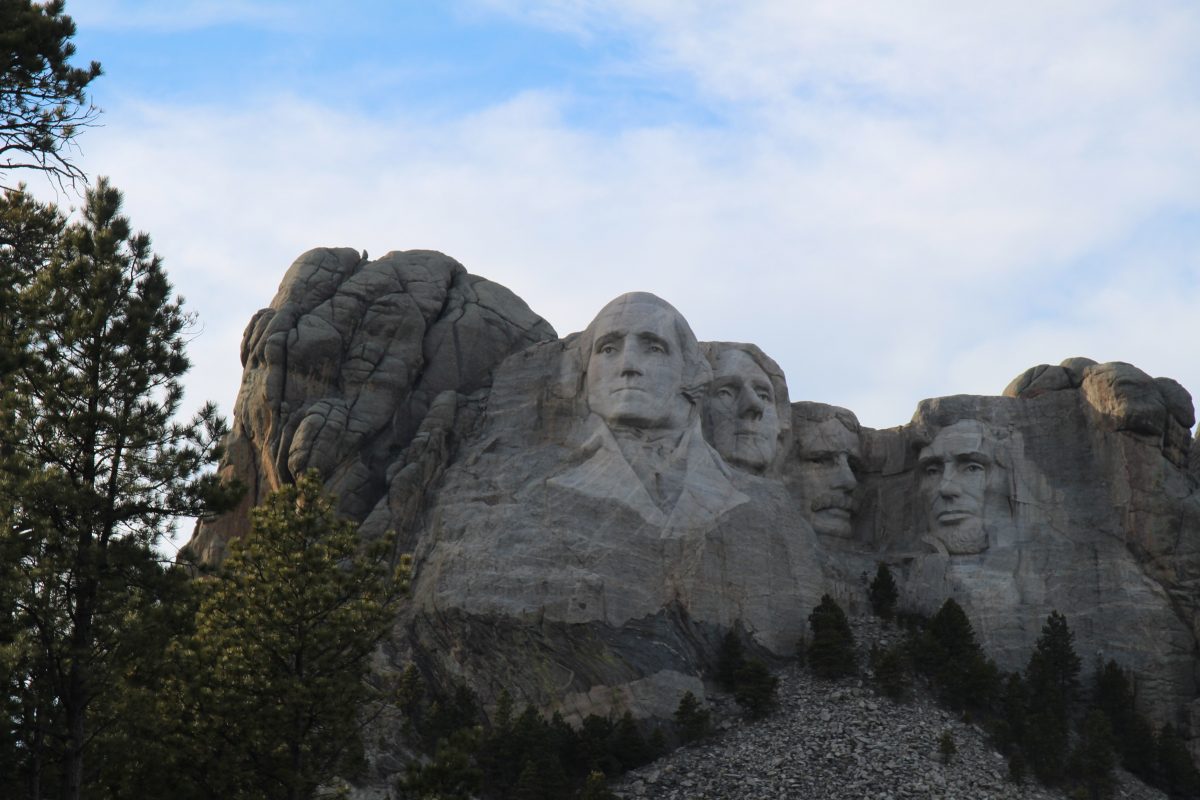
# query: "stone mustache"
{"type": "Point", "coordinates": [589, 515]}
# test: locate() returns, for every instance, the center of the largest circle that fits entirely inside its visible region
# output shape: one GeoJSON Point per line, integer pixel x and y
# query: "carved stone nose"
{"type": "Point", "coordinates": [751, 404]}
{"type": "Point", "coordinates": [844, 479]}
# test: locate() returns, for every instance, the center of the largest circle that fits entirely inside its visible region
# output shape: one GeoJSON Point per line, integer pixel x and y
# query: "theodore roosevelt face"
{"type": "Point", "coordinates": [635, 366]}
{"type": "Point", "coordinates": [828, 455]}
{"type": "Point", "coordinates": [740, 413]}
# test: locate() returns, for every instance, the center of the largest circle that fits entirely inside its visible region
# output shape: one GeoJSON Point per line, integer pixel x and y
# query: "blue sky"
{"type": "Point", "coordinates": [893, 204]}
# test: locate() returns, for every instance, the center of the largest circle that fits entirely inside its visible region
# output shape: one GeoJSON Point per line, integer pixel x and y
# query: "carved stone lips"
{"type": "Point", "coordinates": [953, 516]}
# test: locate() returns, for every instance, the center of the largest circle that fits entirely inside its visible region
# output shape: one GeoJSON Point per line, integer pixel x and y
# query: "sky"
{"type": "Point", "coordinates": [895, 201]}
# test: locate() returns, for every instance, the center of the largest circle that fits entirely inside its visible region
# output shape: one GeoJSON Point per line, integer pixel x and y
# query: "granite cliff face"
{"type": "Point", "coordinates": [589, 515]}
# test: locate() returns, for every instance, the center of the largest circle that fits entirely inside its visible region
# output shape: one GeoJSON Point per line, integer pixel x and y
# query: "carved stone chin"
{"type": "Point", "coordinates": [968, 539]}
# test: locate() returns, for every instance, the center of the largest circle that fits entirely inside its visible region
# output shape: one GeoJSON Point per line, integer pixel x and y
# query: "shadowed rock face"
{"type": "Point", "coordinates": [589, 515]}
{"type": "Point", "coordinates": [348, 362]}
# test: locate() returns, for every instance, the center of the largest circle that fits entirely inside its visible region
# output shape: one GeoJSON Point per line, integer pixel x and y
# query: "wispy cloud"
{"type": "Point", "coordinates": [894, 205]}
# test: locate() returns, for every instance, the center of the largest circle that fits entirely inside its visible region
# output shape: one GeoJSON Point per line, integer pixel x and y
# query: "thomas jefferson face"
{"type": "Point", "coordinates": [829, 454]}
{"type": "Point", "coordinates": [635, 367]}
{"type": "Point", "coordinates": [739, 412]}
{"type": "Point", "coordinates": [954, 471]}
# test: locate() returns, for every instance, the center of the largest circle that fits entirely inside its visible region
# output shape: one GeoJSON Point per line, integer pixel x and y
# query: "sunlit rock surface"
{"type": "Point", "coordinates": [590, 515]}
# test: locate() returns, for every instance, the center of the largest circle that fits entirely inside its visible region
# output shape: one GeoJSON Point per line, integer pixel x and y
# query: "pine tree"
{"type": "Point", "coordinates": [1052, 677]}
{"type": "Point", "coordinates": [1010, 724]}
{"type": "Point", "coordinates": [94, 466]}
{"type": "Point", "coordinates": [274, 679]}
{"type": "Point", "coordinates": [730, 658]}
{"type": "Point", "coordinates": [755, 688]}
{"type": "Point", "coordinates": [1113, 695]}
{"type": "Point", "coordinates": [1095, 758]}
{"type": "Point", "coordinates": [889, 668]}
{"type": "Point", "coordinates": [883, 592]}
{"type": "Point", "coordinates": [831, 651]}
{"type": "Point", "coordinates": [947, 749]}
{"type": "Point", "coordinates": [954, 660]}
{"type": "Point", "coordinates": [1177, 773]}
{"type": "Point", "coordinates": [628, 745]}
{"type": "Point", "coordinates": [42, 99]}
{"type": "Point", "coordinates": [595, 736]}
{"type": "Point", "coordinates": [596, 788]}
{"type": "Point", "coordinates": [692, 721]}
{"type": "Point", "coordinates": [451, 775]}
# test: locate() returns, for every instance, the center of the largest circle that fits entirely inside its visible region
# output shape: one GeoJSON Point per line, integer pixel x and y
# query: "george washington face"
{"type": "Point", "coordinates": [635, 366]}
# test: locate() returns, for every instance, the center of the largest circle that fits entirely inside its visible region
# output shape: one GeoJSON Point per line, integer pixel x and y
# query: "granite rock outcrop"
{"type": "Point", "coordinates": [590, 515]}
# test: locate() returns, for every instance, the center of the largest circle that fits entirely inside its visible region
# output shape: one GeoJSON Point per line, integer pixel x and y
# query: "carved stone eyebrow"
{"type": "Point", "coordinates": [929, 460]}
{"type": "Point", "coordinates": [654, 338]}
{"type": "Point", "coordinates": [611, 336]}
{"type": "Point", "coordinates": [973, 457]}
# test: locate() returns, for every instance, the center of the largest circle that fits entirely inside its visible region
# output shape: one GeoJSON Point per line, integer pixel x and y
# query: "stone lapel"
{"type": "Point", "coordinates": [706, 493]}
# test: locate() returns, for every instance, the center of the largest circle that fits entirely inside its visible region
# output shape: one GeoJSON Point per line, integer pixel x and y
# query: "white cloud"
{"type": "Point", "coordinates": [897, 206]}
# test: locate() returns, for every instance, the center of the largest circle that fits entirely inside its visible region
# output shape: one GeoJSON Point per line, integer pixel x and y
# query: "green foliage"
{"type": "Point", "coordinates": [30, 235]}
{"type": "Point", "coordinates": [1016, 767]}
{"type": "Point", "coordinates": [628, 745]}
{"type": "Point", "coordinates": [455, 710]}
{"type": "Point", "coordinates": [1008, 728]}
{"type": "Point", "coordinates": [692, 721]}
{"type": "Point", "coordinates": [42, 98]}
{"type": "Point", "coordinates": [529, 756]}
{"type": "Point", "coordinates": [596, 788]}
{"type": "Point", "coordinates": [831, 650]}
{"type": "Point", "coordinates": [451, 775]}
{"type": "Point", "coordinates": [883, 592]}
{"type": "Point", "coordinates": [93, 470]}
{"type": "Point", "coordinates": [411, 688]}
{"type": "Point", "coordinates": [273, 686]}
{"type": "Point", "coordinates": [954, 661]}
{"type": "Point", "coordinates": [656, 744]}
{"type": "Point", "coordinates": [890, 670]}
{"type": "Point", "coordinates": [1094, 757]}
{"type": "Point", "coordinates": [730, 658]}
{"type": "Point", "coordinates": [1113, 695]}
{"type": "Point", "coordinates": [1052, 679]}
{"type": "Point", "coordinates": [755, 688]}
{"type": "Point", "coordinates": [1177, 774]}
{"type": "Point", "coordinates": [947, 749]}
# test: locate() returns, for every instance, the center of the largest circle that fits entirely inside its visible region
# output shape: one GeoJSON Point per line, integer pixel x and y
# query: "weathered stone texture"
{"type": "Point", "coordinates": [590, 515]}
{"type": "Point", "coordinates": [343, 368]}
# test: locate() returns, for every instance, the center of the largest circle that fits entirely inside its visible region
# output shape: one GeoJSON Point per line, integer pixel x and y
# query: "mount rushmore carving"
{"type": "Point", "coordinates": [589, 515]}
